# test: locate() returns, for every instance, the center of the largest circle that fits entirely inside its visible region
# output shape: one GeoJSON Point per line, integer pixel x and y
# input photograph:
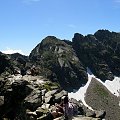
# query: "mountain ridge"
{"type": "Point", "coordinates": [99, 52]}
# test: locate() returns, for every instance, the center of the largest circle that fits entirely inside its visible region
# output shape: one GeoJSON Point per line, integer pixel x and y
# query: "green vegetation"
{"type": "Point", "coordinates": [49, 85]}
{"type": "Point", "coordinates": [101, 91]}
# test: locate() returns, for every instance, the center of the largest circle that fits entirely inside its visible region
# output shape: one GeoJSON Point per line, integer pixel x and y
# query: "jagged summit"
{"type": "Point", "coordinates": [60, 58]}
{"type": "Point", "coordinates": [99, 52]}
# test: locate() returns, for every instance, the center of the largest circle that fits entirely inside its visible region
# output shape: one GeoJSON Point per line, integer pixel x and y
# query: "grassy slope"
{"type": "Point", "coordinates": [99, 98]}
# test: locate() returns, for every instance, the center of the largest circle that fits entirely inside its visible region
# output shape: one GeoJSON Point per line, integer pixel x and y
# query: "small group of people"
{"type": "Point", "coordinates": [65, 110]}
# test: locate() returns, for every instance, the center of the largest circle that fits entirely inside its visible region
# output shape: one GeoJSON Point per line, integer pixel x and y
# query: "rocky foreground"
{"type": "Point", "coordinates": [28, 98]}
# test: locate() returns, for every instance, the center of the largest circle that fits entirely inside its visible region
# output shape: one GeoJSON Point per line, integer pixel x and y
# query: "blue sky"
{"type": "Point", "coordinates": [24, 23]}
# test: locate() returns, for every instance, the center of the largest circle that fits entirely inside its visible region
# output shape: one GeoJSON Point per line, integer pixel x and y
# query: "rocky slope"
{"type": "Point", "coordinates": [99, 97]}
{"type": "Point", "coordinates": [28, 98]}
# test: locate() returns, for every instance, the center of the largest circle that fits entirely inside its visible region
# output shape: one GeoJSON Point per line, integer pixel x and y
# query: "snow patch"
{"type": "Point", "coordinates": [113, 86]}
{"type": "Point", "coordinates": [80, 94]}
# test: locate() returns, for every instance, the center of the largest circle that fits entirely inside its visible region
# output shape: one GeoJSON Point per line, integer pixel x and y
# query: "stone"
{"type": "Point", "coordinates": [33, 100]}
{"type": "Point", "coordinates": [42, 110]}
{"type": "Point", "coordinates": [31, 113]}
{"type": "Point", "coordinates": [45, 106]}
{"type": "Point", "coordinates": [90, 113]}
{"type": "Point", "coordinates": [61, 94]}
{"type": "Point", "coordinates": [84, 118]}
{"type": "Point", "coordinates": [47, 99]}
{"type": "Point", "coordinates": [1, 104]}
{"type": "Point", "coordinates": [43, 117]}
{"type": "Point", "coordinates": [100, 114]}
{"type": "Point", "coordinates": [49, 93]}
{"type": "Point", "coordinates": [1, 101]}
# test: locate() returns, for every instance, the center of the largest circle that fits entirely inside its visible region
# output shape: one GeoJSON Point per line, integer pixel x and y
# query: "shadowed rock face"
{"type": "Point", "coordinates": [4, 63]}
{"type": "Point", "coordinates": [91, 53]}
{"type": "Point", "coordinates": [60, 58]}
{"type": "Point", "coordinates": [13, 63]}
{"type": "Point", "coordinates": [99, 52]}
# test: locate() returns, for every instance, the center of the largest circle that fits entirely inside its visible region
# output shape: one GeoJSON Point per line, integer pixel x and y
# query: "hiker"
{"type": "Point", "coordinates": [75, 108]}
{"type": "Point", "coordinates": [68, 109]}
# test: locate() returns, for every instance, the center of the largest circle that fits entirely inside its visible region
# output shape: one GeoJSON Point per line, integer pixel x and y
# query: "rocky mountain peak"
{"type": "Point", "coordinates": [49, 40]}
{"type": "Point", "coordinates": [78, 36]}
{"type": "Point", "coordinates": [60, 59]}
{"type": "Point", "coordinates": [55, 65]}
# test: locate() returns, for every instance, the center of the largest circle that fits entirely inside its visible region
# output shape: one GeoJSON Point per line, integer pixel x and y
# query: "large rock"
{"type": "Point", "coordinates": [1, 100]}
{"type": "Point", "coordinates": [60, 95]}
{"type": "Point", "coordinates": [49, 93]}
{"type": "Point", "coordinates": [2, 85]}
{"type": "Point", "coordinates": [21, 89]}
{"type": "Point", "coordinates": [44, 109]}
{"type": "Point", "coordinates": [100, 114]}
{"type": "Point", "coordinates": [33, 100]}
{"type": "Point", "coordinates": [90, 113]}
{"type": "Point", "coordinates": [1, 104]}
{"type": "Point", "coordinates": [13, 100]}
{"type": "Point", "coordinates": [5, 65]}
{"type": "Point", "coordinates": [85, 118]}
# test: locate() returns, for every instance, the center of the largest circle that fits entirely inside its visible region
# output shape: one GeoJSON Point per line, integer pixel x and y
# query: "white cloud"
{"type": "Point", "coordinates": [11, 51]}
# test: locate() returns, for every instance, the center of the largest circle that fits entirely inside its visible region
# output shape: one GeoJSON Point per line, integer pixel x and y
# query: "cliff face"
{"type": "Point", "coordinates": [111, 41]}
{"type": "Point", "coordinates": [99, 52]}
{"type": "Point", "coordinates": [61, 60]}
